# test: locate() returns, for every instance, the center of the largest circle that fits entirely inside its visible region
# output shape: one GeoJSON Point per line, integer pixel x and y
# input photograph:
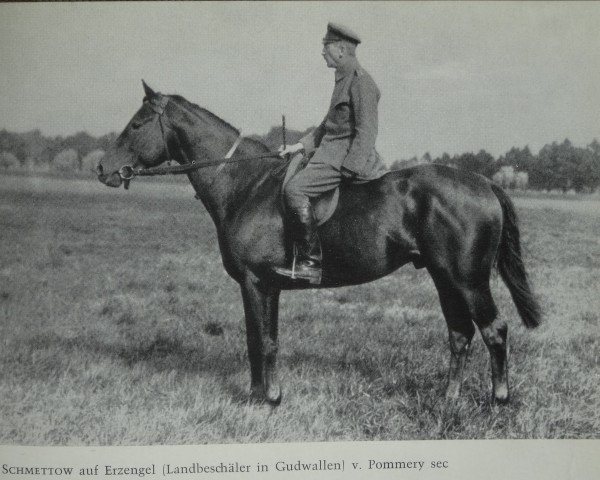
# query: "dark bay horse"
{"type": "Point", "coordinates": [456, 224]}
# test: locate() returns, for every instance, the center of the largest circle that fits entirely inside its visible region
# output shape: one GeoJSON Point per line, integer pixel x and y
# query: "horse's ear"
{"type": "Point", "coordinates": [148, 91]}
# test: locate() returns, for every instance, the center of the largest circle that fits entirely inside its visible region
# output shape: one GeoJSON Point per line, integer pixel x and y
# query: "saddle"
{"type": "Point", "coordinates": [324, 206]}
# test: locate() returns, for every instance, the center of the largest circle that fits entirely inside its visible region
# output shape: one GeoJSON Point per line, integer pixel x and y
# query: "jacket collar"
{"type": "Point", "coordinates": [346, 68]}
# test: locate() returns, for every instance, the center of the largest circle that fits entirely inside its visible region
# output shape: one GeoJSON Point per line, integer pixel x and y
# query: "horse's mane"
{"type": "Point", "coordinates": [202, 112]}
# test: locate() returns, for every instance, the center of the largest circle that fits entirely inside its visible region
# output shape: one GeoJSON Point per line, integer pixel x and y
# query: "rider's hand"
{"type": "Point", "coordinates": [290, 149]}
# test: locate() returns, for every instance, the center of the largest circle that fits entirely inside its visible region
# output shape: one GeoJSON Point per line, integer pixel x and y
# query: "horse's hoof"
{"type": "Point", "coordinates": [256, 395]}
{"type": "Point", "coordinates": [500, 400]}
{"type": "Point", "coordinates": [274, 397]}
{"type": "Point", "coordinates": [500, 396]}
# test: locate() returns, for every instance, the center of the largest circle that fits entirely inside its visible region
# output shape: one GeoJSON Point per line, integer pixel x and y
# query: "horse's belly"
{"type": "Point", "coordinates": [359, 265]}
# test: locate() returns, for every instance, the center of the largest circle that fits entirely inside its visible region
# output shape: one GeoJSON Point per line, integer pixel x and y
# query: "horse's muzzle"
{"type": "Point", "coordinates": [111, 179]}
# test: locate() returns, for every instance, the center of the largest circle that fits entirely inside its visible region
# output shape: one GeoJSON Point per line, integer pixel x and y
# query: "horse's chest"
{"type": "Point", "coordinates": [254, 242]}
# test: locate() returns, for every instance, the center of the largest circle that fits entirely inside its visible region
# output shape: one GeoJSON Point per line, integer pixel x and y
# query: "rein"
{"type": "Point", "coordinates": [127, 172]}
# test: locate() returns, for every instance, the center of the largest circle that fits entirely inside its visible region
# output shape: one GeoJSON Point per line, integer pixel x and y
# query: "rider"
{"type": "Point", "coordinates": [342, 147]}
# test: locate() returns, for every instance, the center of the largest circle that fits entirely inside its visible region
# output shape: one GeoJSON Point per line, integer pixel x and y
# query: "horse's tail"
{"type": "Point", "coordinates": [510, 264]}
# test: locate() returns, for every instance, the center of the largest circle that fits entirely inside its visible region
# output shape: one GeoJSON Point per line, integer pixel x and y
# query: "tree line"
{"type": "Point", "coordinates": [557, 166]}
{"type": "Point", "coordinates": [34, 151]}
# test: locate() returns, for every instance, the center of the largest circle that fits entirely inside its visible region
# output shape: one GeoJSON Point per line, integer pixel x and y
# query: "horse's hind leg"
{"type": "Point", "coordinates": [495, 335]}
{"type": "Point", "coordinates": [462, 306]}
{"type": "Point", "coordinates": [460, 329]}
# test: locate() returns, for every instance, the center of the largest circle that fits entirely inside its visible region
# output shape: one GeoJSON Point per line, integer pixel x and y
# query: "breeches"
{"type": "Point", "coordinates": [313, 181]}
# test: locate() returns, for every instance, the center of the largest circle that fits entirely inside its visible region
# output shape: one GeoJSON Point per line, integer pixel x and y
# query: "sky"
{"type": "Point", "coordinates": [455, 77]}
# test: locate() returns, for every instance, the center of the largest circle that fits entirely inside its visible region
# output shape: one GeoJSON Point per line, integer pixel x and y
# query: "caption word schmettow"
{"type": "Point", "coordinates": [200, 468]}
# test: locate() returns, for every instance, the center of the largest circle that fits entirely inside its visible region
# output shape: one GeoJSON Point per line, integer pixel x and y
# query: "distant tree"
{"type": "Point", "coordinates": [66, 160]}
{"type": "Point", "coordinates": [555, 167]}
{"type": "Point", "coordinates": [586, 172]}
{"type": "Point", "coordinates": [81, 142]}
{"type": "Point", "coordinates": [445, 159]}
{"type": "Point", "coordinates": [30, 164]}
{"type": "Point", "coordinates": [43, 150]}
{"type": "Point", "coordinates": [519, 159]}
{"type": "Point", "coordinates": [594, 147]}
{"type": "Point", "coordinates": [401, 163]}
{"type": "Point", "coordinates": [9, 160]}
{"type": "Point", "coordinates": [482, 162]}
{"type": "Point", "coordinates": [485, 163]}
{"type": "Point", "coordinates": [52, 149]}
{"type": "Point", "coordinates": [13, 143]}
{"type": "Point", "coordinates": [35, 145]}
{"type": "Point", "coordinates": [540, 176]}
{"type": "Point", "coordinates": [592, 166]}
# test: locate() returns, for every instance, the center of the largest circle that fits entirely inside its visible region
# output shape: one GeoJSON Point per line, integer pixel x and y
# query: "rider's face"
{"type": "Point", "coordinates": [332, 53]}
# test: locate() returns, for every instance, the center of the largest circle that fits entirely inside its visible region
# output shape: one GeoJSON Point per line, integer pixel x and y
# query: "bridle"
{"type": "Point", "coordinates": [158, 104]}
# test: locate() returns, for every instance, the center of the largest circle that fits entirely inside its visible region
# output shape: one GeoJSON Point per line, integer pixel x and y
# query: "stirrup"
{"type": "Point", "coordinates": [311, 274]}
{"type": "Point", "coordinates": [299, 275]}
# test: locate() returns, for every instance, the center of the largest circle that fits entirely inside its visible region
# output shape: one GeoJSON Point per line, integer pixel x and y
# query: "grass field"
{"type": "Point", "coordinates": [119, 326]}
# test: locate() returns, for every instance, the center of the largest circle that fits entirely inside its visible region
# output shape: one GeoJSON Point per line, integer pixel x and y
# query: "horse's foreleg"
{"type": "Point", "coordinates": [261, 307]}
{"type": "Point", "coordinates": [253, 339]}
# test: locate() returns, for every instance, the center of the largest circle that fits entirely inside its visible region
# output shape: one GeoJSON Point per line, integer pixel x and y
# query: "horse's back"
{"type": "Point", "coordinates": [419, 187]}
{"type": "Point", "coordinates": [434, 178]}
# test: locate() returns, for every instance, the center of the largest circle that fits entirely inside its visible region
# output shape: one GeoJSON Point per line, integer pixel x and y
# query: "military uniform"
{"type": "Point", "coordinates": [341, 147]}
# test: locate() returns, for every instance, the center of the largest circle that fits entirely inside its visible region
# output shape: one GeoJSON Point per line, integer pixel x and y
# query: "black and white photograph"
{"type": "Point", "coordinates": [234, 223]}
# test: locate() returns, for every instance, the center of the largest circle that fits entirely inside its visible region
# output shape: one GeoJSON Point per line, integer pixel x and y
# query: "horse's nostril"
{"type": "Point", "coordinates": [99, 169]}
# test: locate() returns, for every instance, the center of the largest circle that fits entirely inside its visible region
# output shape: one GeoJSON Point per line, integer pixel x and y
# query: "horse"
{"type": "Point", "coordinates": [457, 225]}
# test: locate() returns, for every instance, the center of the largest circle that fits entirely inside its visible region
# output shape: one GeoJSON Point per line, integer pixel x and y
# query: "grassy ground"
{"type": "Point", "coordinates": [118, 325]}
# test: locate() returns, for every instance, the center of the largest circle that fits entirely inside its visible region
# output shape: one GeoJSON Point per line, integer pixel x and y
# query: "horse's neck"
{"type": "Point", "coordinates": [219, 187]}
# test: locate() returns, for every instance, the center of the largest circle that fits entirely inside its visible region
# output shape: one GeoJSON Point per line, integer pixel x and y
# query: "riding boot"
{"type": "Point", "coordinates": [306, 264]}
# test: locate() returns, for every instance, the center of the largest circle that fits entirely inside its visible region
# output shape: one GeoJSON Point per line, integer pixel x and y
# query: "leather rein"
{"type": "Point", "coordinates": [158, 105]}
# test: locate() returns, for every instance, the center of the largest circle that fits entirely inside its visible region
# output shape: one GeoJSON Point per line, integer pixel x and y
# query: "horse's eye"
{"type": "Point", "coordinates": [137, 124]}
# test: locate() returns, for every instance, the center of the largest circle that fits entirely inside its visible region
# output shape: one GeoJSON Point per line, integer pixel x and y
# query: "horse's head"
{"type": "Point", "coordinates": [143, 142]}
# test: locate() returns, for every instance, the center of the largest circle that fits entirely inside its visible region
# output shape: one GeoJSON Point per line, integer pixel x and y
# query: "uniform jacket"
{"type": "Point", "coordinates": [346, 137]}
